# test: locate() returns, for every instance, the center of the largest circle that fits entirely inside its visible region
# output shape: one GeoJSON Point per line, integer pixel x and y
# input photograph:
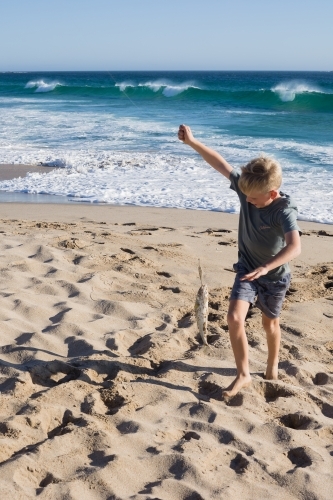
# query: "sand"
{"type": "Point", "coordinates": [10, 171]}
{"type": "Point", "coordinates": [106, 389]}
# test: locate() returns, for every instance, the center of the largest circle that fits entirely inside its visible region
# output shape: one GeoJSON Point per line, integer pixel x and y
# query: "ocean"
{"type": "Point", "coordinates": [115, 135]}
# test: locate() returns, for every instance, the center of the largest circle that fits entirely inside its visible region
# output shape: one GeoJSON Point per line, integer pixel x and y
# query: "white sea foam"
{"type": "Point", "coordinates": [169, 89]}
{"type": "Point", "coordinates": [42, 86]}
{"type": "Point", "coordinates": [124, 85]}
{"type": "Point", "coordinates": [287, 91]}
{"type": "Point", "coordinates": [140, 179]}
{"type": "Point", "coordinates": [57, 162]}
{"type": "Point", "coordinates": [32, 100]}
{"type": "Point", "coordinates": [165, 180]}
{"type": "Point", "coordinates": [256, 112]}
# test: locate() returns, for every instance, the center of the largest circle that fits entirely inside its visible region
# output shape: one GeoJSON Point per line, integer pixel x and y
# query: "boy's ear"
{"type": "Point", "coordinates": [274, 193]}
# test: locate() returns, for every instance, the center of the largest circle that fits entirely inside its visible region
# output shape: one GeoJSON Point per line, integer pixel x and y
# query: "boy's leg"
{"type": "Point", "coordinates": [236, 319]}
{"type": "Point", "coordinates": [273, 335]}
{"type": "Point", "coordinates": [270, 300]}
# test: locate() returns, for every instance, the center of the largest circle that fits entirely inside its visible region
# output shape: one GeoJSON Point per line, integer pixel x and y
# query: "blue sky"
{"type": "Point", "coordinates": [166, 35]}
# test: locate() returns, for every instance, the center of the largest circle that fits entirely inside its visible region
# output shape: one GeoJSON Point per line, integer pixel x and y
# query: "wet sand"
{"type": "Point", "coordinates": [10, 171]}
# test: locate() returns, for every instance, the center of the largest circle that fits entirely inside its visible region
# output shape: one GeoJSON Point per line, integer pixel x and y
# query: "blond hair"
{"type": "Point", "coordinates": [260, 175]}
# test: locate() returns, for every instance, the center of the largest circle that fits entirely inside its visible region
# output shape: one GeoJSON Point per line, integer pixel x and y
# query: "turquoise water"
{"type": "Point", "coordinates": [91, 121]}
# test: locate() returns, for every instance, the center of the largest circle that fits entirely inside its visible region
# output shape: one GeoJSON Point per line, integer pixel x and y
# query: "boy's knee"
{"type": "Point", "coordinates": [237, 313]}
{"type": "Point", "coordinates": [234, 318]}
{"type": "Point", "coordinates": [270, 324]}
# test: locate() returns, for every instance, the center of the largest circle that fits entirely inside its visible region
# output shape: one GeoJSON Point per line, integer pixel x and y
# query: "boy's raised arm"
{"type": "Point", "coordinates": [209, 155]}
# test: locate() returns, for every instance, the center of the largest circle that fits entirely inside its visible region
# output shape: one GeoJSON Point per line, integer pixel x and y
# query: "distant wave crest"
{"type": "Point", "coordinates": [287, 91]}
{"type": "Point", "coordinates": [42, 86]}
{"type": "Point", "coordinates": [169, 89]}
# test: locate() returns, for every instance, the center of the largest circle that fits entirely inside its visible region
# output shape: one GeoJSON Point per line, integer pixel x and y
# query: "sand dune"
{"type": "Point", "coordinates": [106, 389]}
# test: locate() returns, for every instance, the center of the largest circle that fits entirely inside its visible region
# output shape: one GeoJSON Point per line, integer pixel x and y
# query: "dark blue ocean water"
{"type": "Point", "coordinates": [124, 125]}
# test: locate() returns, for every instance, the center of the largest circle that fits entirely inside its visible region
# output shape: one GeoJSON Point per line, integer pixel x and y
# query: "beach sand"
{"type": "Point", "coordinates": [106, 389]}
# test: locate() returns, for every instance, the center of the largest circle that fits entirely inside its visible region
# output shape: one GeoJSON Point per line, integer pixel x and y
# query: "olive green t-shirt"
{"type": "Point", "coordinates": [261, 230]}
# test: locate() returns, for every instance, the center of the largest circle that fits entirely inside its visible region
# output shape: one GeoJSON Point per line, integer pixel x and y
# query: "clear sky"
{"type": "Point", "coordinates": [166, 35]}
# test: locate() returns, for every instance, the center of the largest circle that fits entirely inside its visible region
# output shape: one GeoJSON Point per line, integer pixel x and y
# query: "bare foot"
{"type": "Point", "coordinates": [272, 372]}
{"type": "Point", "coordinates": [240, 382]}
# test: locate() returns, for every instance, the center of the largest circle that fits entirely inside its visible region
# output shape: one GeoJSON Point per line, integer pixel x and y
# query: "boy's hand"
{"type": "Point", "coordinates": [209, 155]}
{"type": "Point", "coordinates": [255, 274]}
{"type": "Point", "coordinates": [185, 134]}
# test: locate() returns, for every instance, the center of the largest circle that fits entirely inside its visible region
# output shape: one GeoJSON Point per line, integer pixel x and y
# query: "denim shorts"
{"type": "Point", "coordinates": [268, 296]}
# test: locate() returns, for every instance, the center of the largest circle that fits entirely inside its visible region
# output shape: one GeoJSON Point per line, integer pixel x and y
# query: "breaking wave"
{"type": "Point", "coordinates": [289, 95]}
{"type": "Point", "coordinates": [289, 90]}
{"type": "Point", "coordinates": [168, 89]}
{"type": "Point", "coordinates": [42, 86]}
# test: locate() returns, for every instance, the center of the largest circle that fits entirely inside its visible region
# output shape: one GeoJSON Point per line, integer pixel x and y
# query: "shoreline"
{"type": "Point", "coordinates": [10, 171]}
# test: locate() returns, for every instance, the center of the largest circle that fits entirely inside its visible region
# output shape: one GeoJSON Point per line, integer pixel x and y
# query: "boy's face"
{"type": "Point", "coordinates": [261, 200]}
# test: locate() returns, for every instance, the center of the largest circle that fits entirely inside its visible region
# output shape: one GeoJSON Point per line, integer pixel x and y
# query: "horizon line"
{"type": "Point", "coordinates": [168, 70]}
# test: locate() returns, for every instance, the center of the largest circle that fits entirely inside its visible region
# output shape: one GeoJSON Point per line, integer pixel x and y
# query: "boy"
{"type": "Point", "coordinates": [268, 238]}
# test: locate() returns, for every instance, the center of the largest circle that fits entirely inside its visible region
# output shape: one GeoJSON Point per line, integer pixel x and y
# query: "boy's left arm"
{"type": "Point", "coordinates": [289, 252]}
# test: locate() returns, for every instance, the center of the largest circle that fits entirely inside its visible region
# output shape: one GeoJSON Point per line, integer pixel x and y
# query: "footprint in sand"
{"type": "Point", "coordinates": [271, 391]}
{"type": "Point", "coordinates": [130, 427]}
{"type": "Point", "coordinates": [73, 243]}
{"type": "Point", "coordinates": [49, 479]}
{"type": "Point", "coordinates": [142, 345]}
{"type": "Point", "coordinates": [210, 390]}
{"type": "Point", "coordinates": [201, 411]}
{"type": "Point", "coordinates": [322, 379]}
{"type": "Point", "coordinates": [214, 232]}
{"type": "Point", "coordinates": [24, 338]}
{"type": "Point", "coordinates": [146, 229]}
{"type": "Point", "coordinates": [239, 464]}
{"type": "Point", "coordinates": [179, 468]}
{"type": "Point", "coordinates": [191, 435]}
{"type": "Point", "coordinates": [149, 488]}
{"type": "Point", "coordinates": [213, 317]}
{"type": "Point", "coordinates": [153, 450]}
{"type": "Point", "coordinates": [188, 436]}
{"type": "Point", "coordinates": [214, 305]}
{"type": "Point", "coordinates": [6, 430]}
{"type": "Point", "coordinates": [150, 248]}
{"type": "Point", "coordinates": [86, 277]}
{"type": "Point", "coordinates": [175, 289]}
{"type": "Point", "coordinates": [298, 421]}
{"type": "Point", "coordinates": [327, 410]}
{"type": "Point", "coordinates": [60, 315]}
{"type": "Point", "coordinates": [300, 457]}
{"type": "Point", "coordinates": [164, 274]}
{"type": "Point", "coordinates": [114, 399]}
{"type": "Point", "coordinates": [324, 233]}
{"type": "Point", "coordinates": [186, 320]}
{"type": "Point", "coordinates": [53, 373]}
{"type": "Point", "coordinates": [128, 250]}
{"type": "Point", "coordinates": [78, 347]}
{"type": "Point", "coordinates": [293, 331]}
{"type": "Point", "coordinates": [225, 243]}
{"type": "Point", "coordinates": [100, 459]}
